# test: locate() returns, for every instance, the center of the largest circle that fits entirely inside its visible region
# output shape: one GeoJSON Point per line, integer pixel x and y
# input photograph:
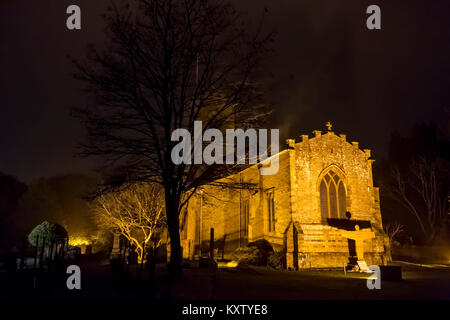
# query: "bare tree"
{"type": "Point", "coordinates": [136, 211]}
{"type": "Point", "coordinates": [393, 230]}
{"type": "Point", "coordinates": [170, 63]}
{"type": "Point", "coordinates": [423, 190]}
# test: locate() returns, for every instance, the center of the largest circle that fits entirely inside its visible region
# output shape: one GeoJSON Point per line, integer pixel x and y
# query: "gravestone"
{"type": "Point", "coordinates": [115, 252]}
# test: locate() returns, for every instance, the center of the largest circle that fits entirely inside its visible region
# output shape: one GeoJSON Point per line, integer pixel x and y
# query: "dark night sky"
{"type": "Point", "coordinates": [327, 66]}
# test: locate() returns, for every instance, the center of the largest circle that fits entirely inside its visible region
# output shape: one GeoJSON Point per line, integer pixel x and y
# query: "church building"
{"type": "Point", "coordinates": [321, 207]}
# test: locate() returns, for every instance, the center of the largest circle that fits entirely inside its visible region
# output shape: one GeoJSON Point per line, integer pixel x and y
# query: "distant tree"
{"type": "Point", "coordinates": [423, 189]}
{"type": "Point", "coordinates": [415, 181]}
{"type": "Point", "coordinates": [428, 140]}
{"type": "Point", "coordinates": [393, 230]}
{"type": "Point", "coordinates": [135, 210]}
{"type": "Point", "coordinates": [170, 63]}
{"type": "Point", "coordinates": [11, 191]}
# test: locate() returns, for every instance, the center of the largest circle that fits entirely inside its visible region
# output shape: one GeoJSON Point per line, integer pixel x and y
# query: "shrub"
{"type": "Point", "coordinates": [264, 248]}
{"type": "Point", "coordinates": [248, 255]}
{"type": "Point", "coordinates": [276, 260]}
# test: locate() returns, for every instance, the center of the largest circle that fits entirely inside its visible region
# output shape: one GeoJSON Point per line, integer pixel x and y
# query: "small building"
{"type": "Point", "coordinates": [322, 193]}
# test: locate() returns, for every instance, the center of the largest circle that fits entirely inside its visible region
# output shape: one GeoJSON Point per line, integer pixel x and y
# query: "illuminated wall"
{"type": "Point", "coordinates": [291, 199]}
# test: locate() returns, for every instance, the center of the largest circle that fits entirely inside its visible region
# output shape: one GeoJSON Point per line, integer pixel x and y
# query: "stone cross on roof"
{"type": "Point", "coordinates": [328, 125]}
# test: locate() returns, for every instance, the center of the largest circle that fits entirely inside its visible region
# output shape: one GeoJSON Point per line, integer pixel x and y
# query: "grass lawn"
{"type": "Point", "coordinates": [259, 283]}
{"type": "Point", "coordinates": [243, 283]}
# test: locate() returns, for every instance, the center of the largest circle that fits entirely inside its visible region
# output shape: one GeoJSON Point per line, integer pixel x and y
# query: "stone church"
{"type": "Point", "coordinates": [321, 208]}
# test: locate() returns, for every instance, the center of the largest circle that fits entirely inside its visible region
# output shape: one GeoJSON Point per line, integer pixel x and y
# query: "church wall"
{"type": "Point", "coordinates": [321, 245]}
{"type": "Point", "coordinates": [279, 184]}
{"type": "Point", "coordinates": [297, 201]}
{"type": "Point", "coordinates": [218, 208]}
{"type": "Point", "coordinates": [313, 155]}
{"type": "Point", "coordinates": [223, 210]}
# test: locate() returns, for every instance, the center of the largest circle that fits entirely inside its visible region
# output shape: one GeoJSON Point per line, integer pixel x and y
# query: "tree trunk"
{"type": "Point", "coordinates": [174, 233]}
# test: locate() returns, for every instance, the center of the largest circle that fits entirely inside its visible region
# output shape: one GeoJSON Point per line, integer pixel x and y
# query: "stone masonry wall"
{"type": "Point", "coordinates": [297, 201]}
{"type": "Point", "coordinates": [321, 245]}
{"type": "Point", "coordinates": [222, 209]}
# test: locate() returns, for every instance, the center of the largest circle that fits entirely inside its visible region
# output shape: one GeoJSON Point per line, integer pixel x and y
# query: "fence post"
{"type": "Point", "coordinates": [212, 265]}
{"type": "Point", "coordinates": [211, 244]}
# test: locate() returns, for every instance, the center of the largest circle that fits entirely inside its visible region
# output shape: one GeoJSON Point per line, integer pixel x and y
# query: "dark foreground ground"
{"type": "Point", "coordinates": [247, 283]}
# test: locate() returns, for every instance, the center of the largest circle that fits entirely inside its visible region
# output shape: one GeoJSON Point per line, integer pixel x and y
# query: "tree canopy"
{"type": "Point", "coordinates": [168, 64]}
{"type": "Point", "coordinates": [51, 232]}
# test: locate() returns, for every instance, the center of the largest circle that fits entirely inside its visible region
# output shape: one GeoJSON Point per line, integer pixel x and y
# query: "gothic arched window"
{"type": "Point", "coordinates": [332, 196]}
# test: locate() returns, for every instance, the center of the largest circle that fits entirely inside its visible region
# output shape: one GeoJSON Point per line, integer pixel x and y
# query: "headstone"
{"type": "Point", "coordinates": [115, 252]}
